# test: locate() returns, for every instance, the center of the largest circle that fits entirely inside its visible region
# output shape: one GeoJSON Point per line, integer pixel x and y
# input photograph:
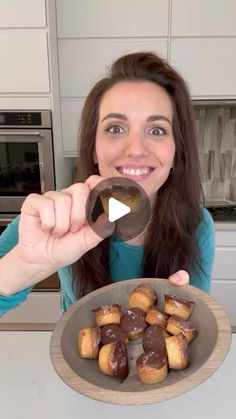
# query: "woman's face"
{"type": "Point", "coordinates": [134, 137]}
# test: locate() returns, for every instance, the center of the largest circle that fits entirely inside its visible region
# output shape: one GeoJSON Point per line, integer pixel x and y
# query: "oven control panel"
{"type": "Point", "coordinates": [20, 118]}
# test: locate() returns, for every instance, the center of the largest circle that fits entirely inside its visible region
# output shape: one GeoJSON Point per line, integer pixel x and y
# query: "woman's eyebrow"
{"type": "Point", "coordinates": [153, 118]}
{"type": "Point", "coordinates": [115, 115]}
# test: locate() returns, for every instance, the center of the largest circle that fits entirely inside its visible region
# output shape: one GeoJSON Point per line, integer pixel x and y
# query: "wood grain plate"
{"type": "Point", "coordinates": [207, 351]}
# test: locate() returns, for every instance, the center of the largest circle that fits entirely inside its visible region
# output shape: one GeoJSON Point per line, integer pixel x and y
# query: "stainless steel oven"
{"type": "Point", "coordinates": [26, 164]}
{"type": "Point", "coordinates": [26, 157]}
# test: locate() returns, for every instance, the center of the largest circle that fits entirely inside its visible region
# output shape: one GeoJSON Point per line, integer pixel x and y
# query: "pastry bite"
{"type": "Point", "coordinates": [133, 322]}
{"type": "Point", "coordinates": [113, 360]}
{"type": "Point", "coordinates": [177, 306]}
{"type": "Point", "coordinates": [107, 314]}
{"type": "Point", "coordinates": [113, 333]}
{"type": "Point", "coordinates": [177, 352]}
{"type": "Point", "coordinates": [152, 367]}
{"type": "Point", "coordinates": [88, 342]}
{"type": "Point", "coordinates": [176, 325]}
{"type": "Point", "coordinates": [128, 195]}
{"type": "Point", "coordinates": [154, 339]}
{"type": "Point", "coordinates": [157, 316]}
{"type": "Point", "coordinates": [142, 297]}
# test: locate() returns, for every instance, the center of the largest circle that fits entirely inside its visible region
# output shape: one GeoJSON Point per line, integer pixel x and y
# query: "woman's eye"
{"type": "Point", "coordinates": [157, 131]}
{"type": "Point", "coordinates": [115, 129]}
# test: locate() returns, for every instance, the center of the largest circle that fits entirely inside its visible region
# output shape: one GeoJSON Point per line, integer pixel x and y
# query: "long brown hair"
{"type": "Point", "coordinates": [170, 242]}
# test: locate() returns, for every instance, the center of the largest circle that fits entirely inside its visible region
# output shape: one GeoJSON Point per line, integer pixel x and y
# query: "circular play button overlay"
{"type": "Point", "coordinates": [126, 204]}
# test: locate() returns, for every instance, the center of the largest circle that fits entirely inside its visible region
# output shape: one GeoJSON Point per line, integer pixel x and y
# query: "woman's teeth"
{"type": "Point", "coordinates": [134, 172]}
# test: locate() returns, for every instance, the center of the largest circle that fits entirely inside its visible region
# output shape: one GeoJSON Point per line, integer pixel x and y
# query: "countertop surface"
{"type": "Point", "coordinates": [30, 388]}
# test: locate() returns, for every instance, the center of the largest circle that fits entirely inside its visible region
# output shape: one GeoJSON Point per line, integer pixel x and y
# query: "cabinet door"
{"type": "Point", "coordinates": [70, 115]}
{"type": "Point", "coordinates": [83, 61]}
{"type": "Point", "coordinates": [22, 14]}
{"type": "Point", "coordinates": [207, 64]}
{"type": "Point", "coordinates": [203, 18]}
{"type": "Point", "coordinates": [107, 18]}
{"type": "Point", "coordinates": [24, 61]}
{"type": "Point", "coordinates": [225, 265]}
{"type": "Point", "coordinates": [224, 292]}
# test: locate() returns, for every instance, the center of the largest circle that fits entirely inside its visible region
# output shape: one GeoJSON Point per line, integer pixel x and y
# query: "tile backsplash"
{"type": "Point", "coordinates": [216, 132]}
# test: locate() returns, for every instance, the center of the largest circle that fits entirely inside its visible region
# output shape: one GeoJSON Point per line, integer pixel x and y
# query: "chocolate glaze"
{"type": "Point", "coordinates": [154, 339]}
{"type": "Point", "coordinates": [112, 333]}
{"type": "Point", "coordinates": [120, 360]}
{"type": "Point", "coordinates": [133, 320]}
{"type": "Point", "coordinates": [152, 359]}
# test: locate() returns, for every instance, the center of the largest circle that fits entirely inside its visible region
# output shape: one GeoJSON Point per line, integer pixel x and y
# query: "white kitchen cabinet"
{"type": "Point", "coordinates": [81, 63]}
{"type": "Point", "coordinates": [71, 110]}
{"type": "Point", "coordinates": [207, 64]}
{"type": "Point", "coordinates": [203, 18]}
{"type": "Point", "coordinates": [224, 272]}
{"type": "Point", "coordinates": [22, 13]}
{"type": "Point", "coordinates": [24, 61]}
{"type": "Point", "coordinates": [43, 308]}
{"type": "Point", "coordinates": [107, 18]}
{"type": "Point", "coordinates": [84, 61]}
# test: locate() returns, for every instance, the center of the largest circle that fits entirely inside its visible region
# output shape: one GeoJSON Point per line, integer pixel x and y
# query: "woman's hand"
{"type": "Point", "coordinates": [53, 227]}
{"type": "Point", "coordinates": [179, 278]}
{"type": "Point", "coordinates": [53, 232]}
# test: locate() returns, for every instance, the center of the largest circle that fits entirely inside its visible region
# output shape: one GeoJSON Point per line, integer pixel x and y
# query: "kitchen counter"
{"type": "Point", "coordinates": [30, 388]}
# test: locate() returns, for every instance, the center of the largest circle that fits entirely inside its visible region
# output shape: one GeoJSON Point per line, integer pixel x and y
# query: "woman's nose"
{"type": "Point", "coordinates": [136, 146]}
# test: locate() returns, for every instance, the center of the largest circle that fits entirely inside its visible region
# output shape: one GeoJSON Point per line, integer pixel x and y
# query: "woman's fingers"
{"type": "Point", "coordinates": [179, 278]}
{"type": "Point", "coordinates": [78, 194]}
{"type": "Point", "coordinates": [41, 208]}
{"type": "Point", "coordinates": [61, 211]}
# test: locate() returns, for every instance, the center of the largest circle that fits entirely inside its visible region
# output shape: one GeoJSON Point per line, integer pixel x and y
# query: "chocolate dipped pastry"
{"type": "Point", "coordinates": [157, 316]}
{"type": "Point", "coordinates": [178, 306]}
{"type": "Point", "coordinates": [88, 342]}
{"type": "Point", "coordinates": [142, 297]}
{"type": "Point", "coordinates": [133, 322]}
{"type": "Point", "coordinates": [107, 314]}
{"type": "Point", "coordinates": [113, 360]}
{"type": "Point", "coordinates": [152, 367]}
{"type": "Point", "coordinates": [113, 333]}
{"type": "Point", "coordinates": [176, 325]}
{"type": "Point", "coordinates": [128, 195]}
{"type": "Point", "coordinates": [154, 339]}
{"type": "Point", "coordinates": [177, 352]}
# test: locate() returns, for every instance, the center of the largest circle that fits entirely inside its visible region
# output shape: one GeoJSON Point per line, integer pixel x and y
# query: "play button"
{"type": "Point", "coordinates": [116, 209]}
{"type": "Point", "coordinates": [126, 204]}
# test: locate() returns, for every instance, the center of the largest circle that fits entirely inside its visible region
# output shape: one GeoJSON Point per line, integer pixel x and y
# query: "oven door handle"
{"type": "Point", "coordinates": [20, 132]}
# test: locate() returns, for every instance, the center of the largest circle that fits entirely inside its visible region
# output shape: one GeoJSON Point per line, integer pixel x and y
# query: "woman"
{"type": "Point", "coordinates": [137, 123]}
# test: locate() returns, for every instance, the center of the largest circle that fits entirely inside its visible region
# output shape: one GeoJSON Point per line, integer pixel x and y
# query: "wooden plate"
{"type": "Point", "coordinates": [207, 351]}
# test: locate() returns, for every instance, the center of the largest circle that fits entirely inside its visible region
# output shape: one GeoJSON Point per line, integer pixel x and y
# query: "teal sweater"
{"type": "Point", "coordinates": [125, 263]}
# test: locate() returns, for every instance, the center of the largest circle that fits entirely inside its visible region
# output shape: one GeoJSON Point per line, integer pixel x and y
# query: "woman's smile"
{"type": "Point", "coordinates": [136, 173]}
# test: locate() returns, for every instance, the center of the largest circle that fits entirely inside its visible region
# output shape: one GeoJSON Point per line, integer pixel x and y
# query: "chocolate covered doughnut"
{"type": "Point", "coordinates": [107, 314]}
{"type": "Point", "coordinates": [113, 360]}
{"type": "Point", "coordinates": [133, 322]}
{"type": "Point", "coordinates": [178, 306]}
{"type": "Point", "coordinates": [152, 367]}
